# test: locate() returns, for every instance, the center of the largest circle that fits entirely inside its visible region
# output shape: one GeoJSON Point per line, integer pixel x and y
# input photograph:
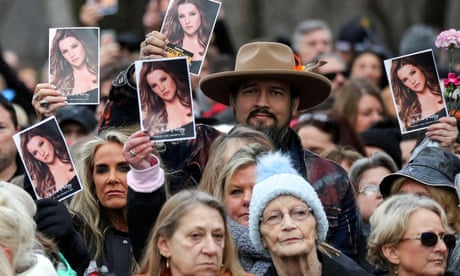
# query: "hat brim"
{"type": "Point", "coordinates": [421, 174]}
{"type": "Point", "coordinates": [313, 88]}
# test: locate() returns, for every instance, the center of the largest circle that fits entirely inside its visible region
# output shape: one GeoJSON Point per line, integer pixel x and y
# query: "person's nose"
{"type": "Point", "coordinates": [112, 177]}
{"type": "Point", "coordinates": [247, 199]}
{"type": "Point", "coordinates": [187, 19]}
{"type": "Point", "coordinates": [440, 246]}
{"type": "Point", "coordinates": [287, 223]}
{"type": "Point", "coordinates": [210, 247]}
{"type": "Point", "coordinates": [262, 99]}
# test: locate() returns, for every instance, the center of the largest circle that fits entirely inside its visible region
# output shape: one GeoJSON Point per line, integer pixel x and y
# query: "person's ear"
{"type": "Point", "coordinates": [295, 106]}
{"type": "Point", "coordinates": [9, 254]}
{"type": "Point", "coordinates": [391, 254]}
{"type": "Point", "coordinates": [163, 246]}
{"type": "Point", "coordinates": [231, 101]}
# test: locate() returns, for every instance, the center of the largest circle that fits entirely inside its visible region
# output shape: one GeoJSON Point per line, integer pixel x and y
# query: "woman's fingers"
{"type": "Point", "coordinates": [154, 46]}
{"type": "Point", "coordinates": [47, 100]}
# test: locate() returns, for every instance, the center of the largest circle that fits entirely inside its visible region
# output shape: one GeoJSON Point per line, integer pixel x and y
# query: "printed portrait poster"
{"type": "Point", "coordinates": [165, 98]}
{"type": "Point", "coordinates": [47, 160]}
{"type": "Point", "coordinates": [188, 27]}
{"type": "Point", "coordinates": [74, 63]}
{"type": "Point", "coordinates": [416, 90]}
{"type": "Point", "coordinates": [106, 7]}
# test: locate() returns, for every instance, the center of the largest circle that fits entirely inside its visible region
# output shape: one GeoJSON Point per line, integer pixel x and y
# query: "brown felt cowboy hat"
{"type": "Point", "coordinates": [267, 60]}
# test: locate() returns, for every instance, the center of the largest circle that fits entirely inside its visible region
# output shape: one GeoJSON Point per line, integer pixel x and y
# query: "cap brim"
{"type": "Point", "coordinates": [313, 88]}
{"type": "Point", "coordinates": [420, 174]}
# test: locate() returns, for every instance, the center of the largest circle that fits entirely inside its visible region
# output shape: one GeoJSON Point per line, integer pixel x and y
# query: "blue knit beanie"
{"type": "Point", "coordinates": [276, 176]}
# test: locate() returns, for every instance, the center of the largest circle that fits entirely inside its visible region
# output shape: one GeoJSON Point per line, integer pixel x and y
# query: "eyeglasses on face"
{"type": "Point", "coordinates": [331, 76]}
{"type": "Point", "coordinates": [430, 239]}
{"type": "Point", "coordinates": [298, 213]}
{"type": "Point", "coordinates": [370, 190]}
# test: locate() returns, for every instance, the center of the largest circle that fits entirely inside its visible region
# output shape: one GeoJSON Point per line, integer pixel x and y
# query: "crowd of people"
{"type": "Point", "coordinates": [306, 175]}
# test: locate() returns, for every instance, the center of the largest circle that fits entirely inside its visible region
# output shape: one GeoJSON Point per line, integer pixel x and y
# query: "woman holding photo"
{"type": "Point", "coordinates": [417, 92]}
{"type": "Point", "coordinates": [165, 98]}
{"type": "Point", "coordinates": [74, 63]}
{"type": "Point", "coordinates": [188, 26]}
{"type": "Point", "coordinates": [48, 162]}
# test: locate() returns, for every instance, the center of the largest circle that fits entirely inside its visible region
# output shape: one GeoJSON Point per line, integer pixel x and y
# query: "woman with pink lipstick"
{"type": "Point", "coordinates": [47, 161]}
{"type": "Point", "coordinates": [288, 222]}
{"type": "Point", "coordinates": [74, 64]}
{"type": "Point", "coordinates": [99, 210]}
{"type": "Point", "coordinates": [165, 98]}
{"type": "Point", "coordinates": [410, 236]}
{"type": "Point", "coordinates": [417, 92]}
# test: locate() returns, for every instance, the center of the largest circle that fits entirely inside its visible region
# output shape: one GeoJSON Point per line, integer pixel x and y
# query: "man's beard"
{"type": "Point", "coordinates": [275, 133]}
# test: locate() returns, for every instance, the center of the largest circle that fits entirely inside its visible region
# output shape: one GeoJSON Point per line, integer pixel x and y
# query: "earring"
{"type": "Point", "coordinates": [167, 263]}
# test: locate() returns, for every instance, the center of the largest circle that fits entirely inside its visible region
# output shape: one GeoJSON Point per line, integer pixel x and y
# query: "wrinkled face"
{"type": "Point", "coordinates": [8, 149]}
{"type": "Point", "coordinates": [189, 18]}
{"type": "Point", "coordinates": [197, 245]}
{"type": "Point", "coordinates": [162, 84]}
{"type": "Point", "coordinates": [73, 51]}
{"type": "Point", "coordinates": [411, 186]}
{"type": "Point", "coordinates": [412, 77]}
{"type": "Point", "coordinates": [369, 196]}
{"type": "Point", "coordinates": [264, 104]}
{"type": "Point", "coordinates": [109, 175]}
{"type": "Point", "coordinates": [413, 258]}
{"type": "Point", "coordinates": [41, 149]}
{"type": "Point", "coordinates": [370, 111]}
{"type": "Point", "coordinates": [313, 44]}
{"type": "Point", "coordinates": [314, 139]}
{"type": "Point", "coordinates": [239, 192]}
{"type": "Point", "coordinates": [368, 66]}
{"type": "Point", "coordinates": [291, 237]}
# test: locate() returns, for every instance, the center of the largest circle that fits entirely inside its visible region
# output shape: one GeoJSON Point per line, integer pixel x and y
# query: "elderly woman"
{"type": "Point", "coordinates": [287, 220]}
{"type": "Point", "coordinates": [431, 173]}
{"type": "Point", "coordinates": [191, 236]}
{"type": "Point", "coordinates": [410, 236]}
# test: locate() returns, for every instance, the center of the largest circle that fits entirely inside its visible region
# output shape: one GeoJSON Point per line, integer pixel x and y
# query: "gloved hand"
{"type": "Point", "coordinates": [53, 220]}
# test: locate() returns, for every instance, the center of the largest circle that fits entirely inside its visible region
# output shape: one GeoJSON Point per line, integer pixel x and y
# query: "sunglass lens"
{"type": "Point", "coordinates": [429, 239]}
{"type": "Point", "coordinates": [450, 240]}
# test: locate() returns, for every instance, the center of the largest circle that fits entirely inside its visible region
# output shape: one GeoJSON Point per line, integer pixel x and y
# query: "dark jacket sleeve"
{"type": "Point", "coordinates": [142, 212]}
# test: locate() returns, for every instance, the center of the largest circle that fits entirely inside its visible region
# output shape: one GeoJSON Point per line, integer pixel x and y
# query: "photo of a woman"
{"type": "Point", "coordinates": [188, 24]}
{"type": "Point", "coordinates": [47, 160]}
{"type": "Point", "coordinates": [165, 99]}
{"type": "Point", "coordinates": [416, 90]}
{"type": "Point", "coordinates": [74, 59]}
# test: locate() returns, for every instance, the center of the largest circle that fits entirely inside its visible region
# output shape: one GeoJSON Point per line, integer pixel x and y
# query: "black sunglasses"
{"type": "Point", "coordinates": [431, 239]}
{"type": "Point", "coordinates": [331, 76]}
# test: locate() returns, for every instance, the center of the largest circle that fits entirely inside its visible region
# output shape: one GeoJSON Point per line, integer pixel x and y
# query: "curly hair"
{"type": "Point", "coordinates": [85, 204]}
{"type": "Point", "coordinates": [174, 31]}
{"type": "Point", "coordinates": [154, 107]}
{"type": "Point", "coordinates": [406, 99]}
{"type": "Point", "coordinates": [60, 69]}
{"type": "Point", "coordinates": [39, 172]}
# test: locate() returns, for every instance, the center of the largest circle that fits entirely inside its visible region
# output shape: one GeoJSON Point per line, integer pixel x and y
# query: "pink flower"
{"type": "Point", "coordinates": [449, 38]}
{"type": "Point", "coordinates": [452, 78]}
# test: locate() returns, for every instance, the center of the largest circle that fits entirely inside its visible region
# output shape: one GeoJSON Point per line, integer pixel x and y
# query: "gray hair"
{"type": "Point", "coordinates": [389, 223]}
{"type": "Point", "coordinates": [306, 27]}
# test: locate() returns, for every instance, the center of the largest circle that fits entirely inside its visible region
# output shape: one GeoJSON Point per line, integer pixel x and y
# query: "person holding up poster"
{"type": "Point", "coordinates": [416, 91]}
{"type": "Point", "coordinates": [74, 64]}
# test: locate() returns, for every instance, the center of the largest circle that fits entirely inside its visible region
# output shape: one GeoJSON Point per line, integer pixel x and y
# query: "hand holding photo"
{"type": "Point", "coordinates": [47, 160]}
{"type": "Point", "coordinates": [188, 24]}
{"type": "Point", "coordinates": [416, 90]}
{"type": "Point", "coordinates": [165, 98]}
{"type": "Point", "coordinates": [74, 63]}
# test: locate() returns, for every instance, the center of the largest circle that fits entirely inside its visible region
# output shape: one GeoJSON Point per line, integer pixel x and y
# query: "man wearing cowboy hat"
{"type": "Point", "coordinates": [265, 92]}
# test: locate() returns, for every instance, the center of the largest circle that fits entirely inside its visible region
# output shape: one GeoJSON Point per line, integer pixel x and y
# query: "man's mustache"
{"type": "Point", "coordinates": [261, 111]}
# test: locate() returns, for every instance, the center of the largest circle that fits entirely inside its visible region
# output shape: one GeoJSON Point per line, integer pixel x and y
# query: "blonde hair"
{"type": "Point", "coordinates": [389, 223]}
{"type": "Point", "coordinates": [85, 205]}
{"type": "Point", "coordinates": [178, 206]}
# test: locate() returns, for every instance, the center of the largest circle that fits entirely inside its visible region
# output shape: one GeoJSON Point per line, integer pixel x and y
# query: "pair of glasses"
{"type": "Point", "coordinates": [430, 239]}
{"type": "Point", "coordinates": [316, 116]}
{"type": "Point", "coordinates": [331, 76]}
{"type": "Point", "coordinates": [297, 213]}
{"type": "Point", "coordinates": [370, 190]}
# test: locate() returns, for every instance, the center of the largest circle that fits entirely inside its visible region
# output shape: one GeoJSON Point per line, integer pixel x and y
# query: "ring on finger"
{"type": "Point", "coordinates": [132, 153]}
{"type": "Point", "coordinates": [44, 104]}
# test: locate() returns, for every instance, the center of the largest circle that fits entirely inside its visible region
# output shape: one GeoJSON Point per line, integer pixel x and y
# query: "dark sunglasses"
{"type": "Point", "coordinates": [431, 239]}
{"type": "Point", "coordinates": [333, 75]}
